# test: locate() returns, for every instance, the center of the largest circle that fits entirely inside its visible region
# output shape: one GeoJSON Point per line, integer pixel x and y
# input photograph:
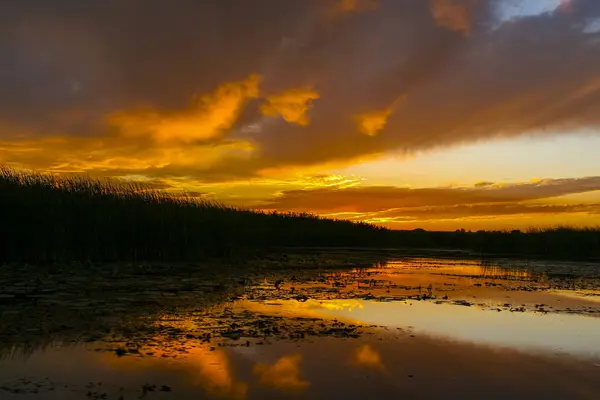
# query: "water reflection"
{"type": "Point", "coordinates": [215, 373]}
{"type": "Point", "coordinates": [283, 375]}
{"type": "Point", "coordinates": [368, 332]}
{"type": "Point", "coordinates": [199, 367]}
{"type": "Point", "coordinates": [462, 267]}
{"type": "Point", "coordinates": [325, 368]}
{"type": "Point", "coordinates": [366, 356]}
{"type": "Point", "coordinates": [572, 334]}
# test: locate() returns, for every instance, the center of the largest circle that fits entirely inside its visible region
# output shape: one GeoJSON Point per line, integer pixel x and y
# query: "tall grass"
{"type": "Point", "coordinates": [48, 219]}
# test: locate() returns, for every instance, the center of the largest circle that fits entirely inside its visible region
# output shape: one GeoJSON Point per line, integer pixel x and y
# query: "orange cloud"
{"type": "Point", "coordinates": [116, 155]}
{"type": "Point", "coordinates": [214, 114]}
{"type": "Point", "coordinates": [371, 123]}
{"type": "Point", "coordinates": [452, 14]}
{"type": "Point", "coordinates": [53, 109]}
{"type": "Point", "coordinates": [190, 140]}
{"type": "Point", "coordinates": [427, 213]}
{"type": "Point", "coordinates": [292, 105]}
{"type": "Point", "coordinates": [349, 6]}
{"type": "Point", "coordinates": [283, 375]}
{"type": "Point", "coordinates": [387, 205]}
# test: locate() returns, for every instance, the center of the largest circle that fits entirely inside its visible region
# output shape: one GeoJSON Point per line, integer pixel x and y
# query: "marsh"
{"type": "Point", "coordinates": [388, 326]}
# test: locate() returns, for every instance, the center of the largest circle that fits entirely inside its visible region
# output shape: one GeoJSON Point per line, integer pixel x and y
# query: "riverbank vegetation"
{"type": "Point", "coordinates": [49, 219]}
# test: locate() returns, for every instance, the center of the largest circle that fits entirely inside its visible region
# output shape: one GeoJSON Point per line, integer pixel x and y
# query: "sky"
{"type": "Point", "coordinates": [434, 114]}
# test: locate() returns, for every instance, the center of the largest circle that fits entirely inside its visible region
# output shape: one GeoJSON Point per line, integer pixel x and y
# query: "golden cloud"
{"type": "Point", "coordinates": [292, 105]}
{"type": "Point", "coordinates": [476, 211]}
{"type": "Point", "coordinates": [349, 6]}
{"type": "Point", "coordinates": [372, 122]}
{"type": "Point", "coordinates": [452, 14]}
{"type": "Point", "coordinates": [116, 155]}
{"type": "Point", "coordinates": [213, 114]}
{"type": "Point", "coordinates": [283, 375]}
{"type": "Point", "coordinates": [191, 140]}
{"type": "Point", "coordinates": [382, 204]}
{"type": "Point", "coordinates": [53, 110]}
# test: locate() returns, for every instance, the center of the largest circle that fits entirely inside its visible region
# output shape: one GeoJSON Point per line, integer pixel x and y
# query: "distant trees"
{"type": "Point", "coordinates": [558, 242]}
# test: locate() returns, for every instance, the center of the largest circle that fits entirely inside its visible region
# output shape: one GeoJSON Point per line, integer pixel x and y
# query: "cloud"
{"type": "Point", "coordinates": [75, 76]}
{"type": "Point", "coordinates": [371, 123]}
{"type": "Point", "coordinates": [393, 206]}
{"type": "Point", "coordinates": [475, 211]}
{"type": "Point", "coordinates": [214, 114]}
{"type": "Point", "coordinates": [483, 184]}
{"type": "Point", "coordinates": [115, 156]}
{"type": "Point", "coordinates": [292, 105]}
{"type": "Point", "coordinates": [452, 14]}
{"type": "Point", "coordinates": [283, 375]}
{"type": "Point", "coordinates": [566, 5]}
{"type": "Point", "coordinates": [142, 141]}
{"type": "Point", "coordinates": [351, 6]}
{"type": "Point", "coordinates": [380, 198]}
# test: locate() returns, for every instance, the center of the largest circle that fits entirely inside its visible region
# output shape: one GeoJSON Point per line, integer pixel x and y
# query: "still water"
{"type": "Point", "coordinates": [404, 328]}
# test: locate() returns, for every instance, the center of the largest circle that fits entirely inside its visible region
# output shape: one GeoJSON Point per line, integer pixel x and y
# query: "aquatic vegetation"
{"type": "Point", "coordinates": [54, 220]}
{"type": "Point", "coordinates": [49, 219]}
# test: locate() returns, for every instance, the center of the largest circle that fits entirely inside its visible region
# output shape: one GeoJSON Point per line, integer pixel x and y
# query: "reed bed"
{"type": "Point", "coordinates": [50, 219]}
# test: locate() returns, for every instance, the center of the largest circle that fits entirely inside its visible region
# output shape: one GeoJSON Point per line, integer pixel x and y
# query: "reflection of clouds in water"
{"type": "Point", "coordinates": [533, 333]}
{"type": "Point", "coordinates": [337, 305]}
{"type": "Point", "coordinates": [215, 375]}
{"type": "Point", "coordinates": [367, 356]}
{"type": "Point", "coordinates": [210, 370]}
{"type": "Point", "coordinates": [283, 375]}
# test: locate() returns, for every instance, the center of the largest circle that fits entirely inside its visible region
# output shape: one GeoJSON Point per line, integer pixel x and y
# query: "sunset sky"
{"type": "Point", "coordinates": [435, 114]}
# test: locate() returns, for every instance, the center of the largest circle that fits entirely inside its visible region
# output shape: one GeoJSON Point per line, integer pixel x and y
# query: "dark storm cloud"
{"type": "Point", "coordinates": [422, 74]}
{"type": "Point", "coordinates": [66, 55]}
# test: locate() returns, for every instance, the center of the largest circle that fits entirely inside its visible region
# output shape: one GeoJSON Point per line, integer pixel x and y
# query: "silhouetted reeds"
{"type": "Point", "coordinates": [49, 219]}
{"type": "Point", "coordinates": [46, 219]}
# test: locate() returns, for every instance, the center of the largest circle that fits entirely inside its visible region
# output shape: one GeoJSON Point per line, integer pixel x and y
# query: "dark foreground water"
{"type": "Point", "coordinates": [404, 328]}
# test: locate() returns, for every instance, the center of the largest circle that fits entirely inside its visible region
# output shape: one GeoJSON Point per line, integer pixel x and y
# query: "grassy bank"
{"type": "Point", "coordinates": [46, 219]}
